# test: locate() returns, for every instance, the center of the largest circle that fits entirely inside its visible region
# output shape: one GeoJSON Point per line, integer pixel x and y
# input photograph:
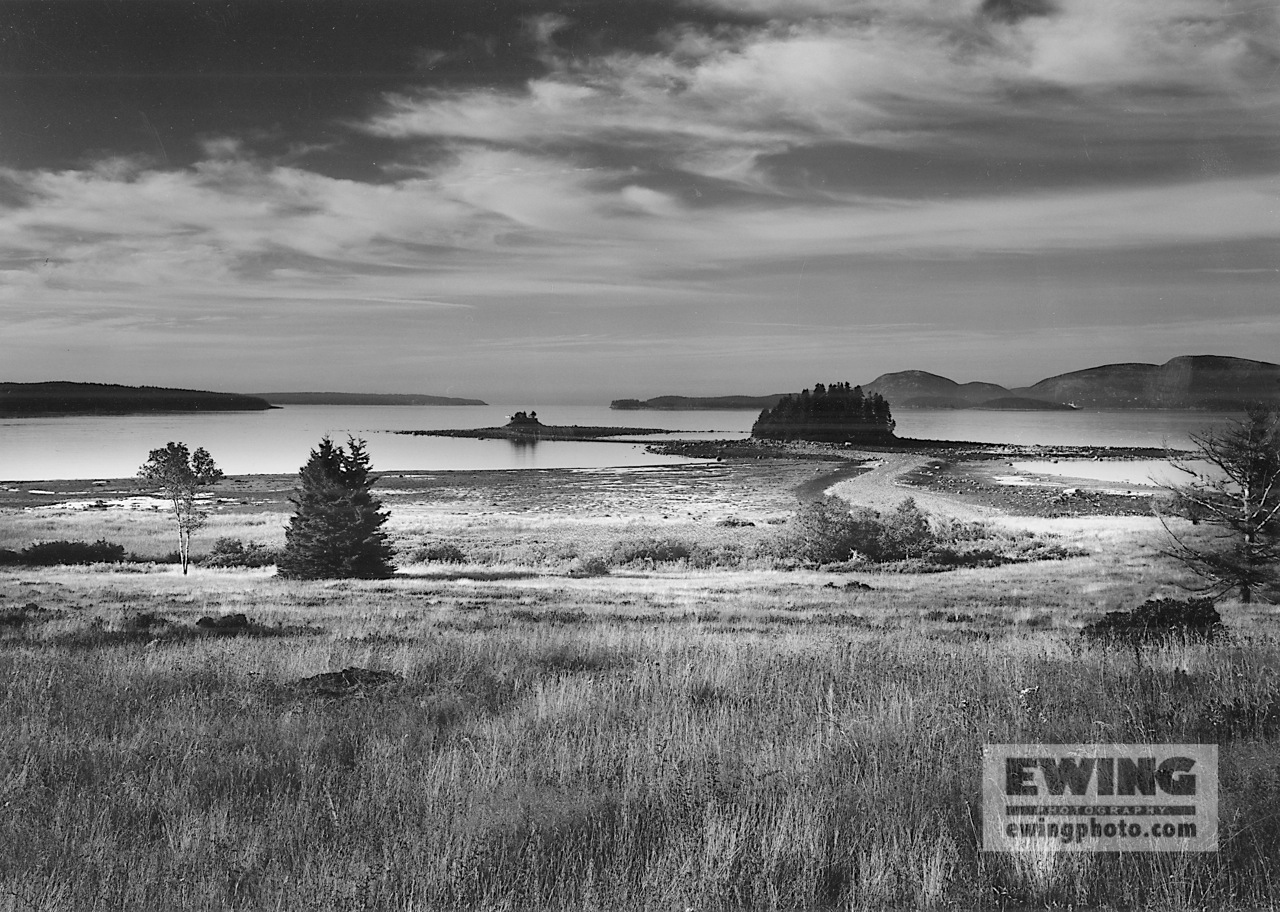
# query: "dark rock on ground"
{"type": "Point", "coordinates": [227, 623]}
{"type": "Point", "coordinates": [348, 682]}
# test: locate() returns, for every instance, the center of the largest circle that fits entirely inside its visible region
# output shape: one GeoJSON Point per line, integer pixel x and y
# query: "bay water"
{"type": "Point", "coordinates": [279, 441]}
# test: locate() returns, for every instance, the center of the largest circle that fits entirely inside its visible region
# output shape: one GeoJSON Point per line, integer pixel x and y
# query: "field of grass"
{"type": "Point", "coordinates": [659, 737]}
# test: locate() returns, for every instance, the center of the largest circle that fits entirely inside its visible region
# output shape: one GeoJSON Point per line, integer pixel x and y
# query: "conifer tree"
{"type": "Point", "coordinates": [1236, 492]}
{"type": "Point", "coordinates": [336, 530]}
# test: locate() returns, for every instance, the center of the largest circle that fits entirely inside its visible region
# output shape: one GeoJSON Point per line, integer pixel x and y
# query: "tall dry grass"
{"type": "Point", "coordinates": [667, 736]}
{"type": "Point", "coordinates": [147, 533]}
{"type": "Point", "coordinates": [748, 741]}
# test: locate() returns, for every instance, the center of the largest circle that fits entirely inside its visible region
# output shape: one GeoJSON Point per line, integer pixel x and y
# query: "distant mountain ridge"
{"type": "Point", "coordinates": [1186, 382]}
{"type": "Point", "coordinates": [307, 398]}
{"type": "Point", "coordinates": [61, 397]}
{"type": "Point", "coordinates": [921, 389]}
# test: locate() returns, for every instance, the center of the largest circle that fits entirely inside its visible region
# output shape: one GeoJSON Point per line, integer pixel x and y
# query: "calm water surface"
{"type": "Point", "coordinates": [278, 441]}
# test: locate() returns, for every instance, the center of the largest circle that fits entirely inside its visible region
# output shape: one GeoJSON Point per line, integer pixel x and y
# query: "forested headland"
{"type": "Point", "coordinates": [320, 398]}
{"type": "Point", "coordinates": [24, 400]}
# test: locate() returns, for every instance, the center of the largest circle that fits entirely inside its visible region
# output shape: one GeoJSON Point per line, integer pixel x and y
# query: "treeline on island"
{"type": "Point", "coordinates": [836, 413]}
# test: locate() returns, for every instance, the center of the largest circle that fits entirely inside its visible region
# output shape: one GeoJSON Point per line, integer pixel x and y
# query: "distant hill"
{"type": "Point", "coordinates": [694, 403]}
{"type": "Point", "coordinates": [20, 400]}
{"type": "Point", "coordinates": [920, 389]}
{"type": "Point", "coordinates": [364, 399]}
{"type": "Point", "coordinates": [1188, 382]}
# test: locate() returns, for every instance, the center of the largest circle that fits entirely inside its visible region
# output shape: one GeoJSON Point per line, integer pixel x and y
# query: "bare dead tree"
{"type": "Point", "coordinates": [1233, 487]}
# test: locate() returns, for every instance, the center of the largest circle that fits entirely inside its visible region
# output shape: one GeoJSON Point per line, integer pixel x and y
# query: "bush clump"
{"type": "Point", "coordinates": [903, 534]}
{"type": "Point", "coordinates": [649, 552]}
{"type": "Point", "coordinates": [826, 531]}
{"type": "Point", "coordinates": [231, 552]}
{"type": "Point", "coordinates": [708, 556]}
{"type": "Point", "coordinates": [53, 553]}
{"type": "Point", "coordinates": [1156, 620]}
{"type": "Point", "coordinates": [440, 553]}
{"type": "Point", "coordinates": [592, 565]}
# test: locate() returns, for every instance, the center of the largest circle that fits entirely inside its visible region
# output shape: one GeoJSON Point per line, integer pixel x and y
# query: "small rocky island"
{"type": "Point", "coordinates": [526, 426]}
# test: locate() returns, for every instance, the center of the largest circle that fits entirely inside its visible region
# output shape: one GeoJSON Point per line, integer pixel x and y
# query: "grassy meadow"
{"type": "Point", "coordinates": [648, 735]}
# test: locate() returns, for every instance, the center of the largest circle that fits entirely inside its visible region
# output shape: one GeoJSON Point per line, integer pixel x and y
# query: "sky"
{"type": "Point", "coordinates": [538, 201]}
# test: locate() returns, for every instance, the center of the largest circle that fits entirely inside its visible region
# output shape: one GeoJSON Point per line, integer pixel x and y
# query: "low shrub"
{"type": "Point", "coordinates": [439, 553]}
{"type": "Point", "coordinates": [903, 534]}
{"type": "Point", "coordinates": [825, 531]}
{"type": "Point", "coordinates": [231, 552]}
{"type": "Point", "coordinates": [978, 557]}
{"type": "Point", "coordinates": [1159, 619]}
{"type": "Point", "coordinates": [649, 552]}
{"type": "Point", "coordinates": [711, 556]}
{"type": "Point", "coordinates": [52, 553]}
{"type": "Point", "coordinates": [144, 620]}
{"type": "Point", "coordinates": [593, 565]}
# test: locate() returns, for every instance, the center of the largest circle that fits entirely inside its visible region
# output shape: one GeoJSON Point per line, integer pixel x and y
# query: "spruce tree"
{"type": "Point", "coordinates": [1234, 488]}
{"type": "Point", "coordinates": [336, 530]}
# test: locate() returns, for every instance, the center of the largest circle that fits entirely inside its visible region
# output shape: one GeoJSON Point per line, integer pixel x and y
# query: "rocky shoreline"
{"type": "Point", "coordinates": [960, 472]}
{"type": "Point", "coordinates": [750, 448]}
{"type": "Point", "coordinates": [542, 432]}
{"type": "Point", "coordinates": [956, 480]}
